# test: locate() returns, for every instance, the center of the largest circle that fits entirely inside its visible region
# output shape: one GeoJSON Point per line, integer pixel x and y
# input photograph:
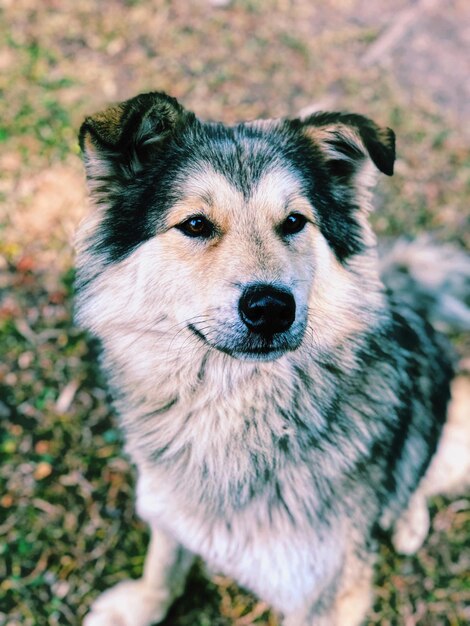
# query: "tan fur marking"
{"type": "Point", "coordinates": [212, 195]}
{"type": "Point", "coordinates": [108, 123]}
{"type": "Point", "coordinates": [208, 190]}
{"type": "Point", "coordinates": [323, 134]}
{"type": "Point", "coordinates": [189, 207]}
{"type": "Point", "coordinates": [277, 195]}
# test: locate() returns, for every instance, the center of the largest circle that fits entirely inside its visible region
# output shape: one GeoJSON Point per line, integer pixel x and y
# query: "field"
{"type": "Point", "coordinates": [67, 526]}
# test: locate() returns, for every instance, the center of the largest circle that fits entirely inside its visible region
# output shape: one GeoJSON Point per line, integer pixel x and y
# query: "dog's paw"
{"type": "Point", "coordinates": [129, 603]}
{"type": "Point", "coordinates": [412, 527]}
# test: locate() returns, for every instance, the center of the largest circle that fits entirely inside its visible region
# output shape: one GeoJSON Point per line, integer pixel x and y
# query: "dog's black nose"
{"type": "Point", "coordinates": [266, 310]}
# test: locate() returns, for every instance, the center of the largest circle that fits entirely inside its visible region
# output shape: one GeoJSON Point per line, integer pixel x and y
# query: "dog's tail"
{"type": "Point", "coordinates": [432, 278]}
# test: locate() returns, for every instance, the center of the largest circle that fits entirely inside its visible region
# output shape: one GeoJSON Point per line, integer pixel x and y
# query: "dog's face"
{"type": "Point", "coordinates": [239, 259]}
{"type": "Point", "coordinates": [229, 234]}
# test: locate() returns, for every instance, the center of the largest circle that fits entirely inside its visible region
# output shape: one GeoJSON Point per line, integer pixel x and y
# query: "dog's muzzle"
{"type": "Point", "coordinates": [266, 310]}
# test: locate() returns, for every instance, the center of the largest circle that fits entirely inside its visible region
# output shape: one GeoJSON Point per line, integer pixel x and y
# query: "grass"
{"type": "Point", "coordinates": [67, 525]}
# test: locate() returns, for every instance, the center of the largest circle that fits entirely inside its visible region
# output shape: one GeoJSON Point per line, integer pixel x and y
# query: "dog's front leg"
{"type": "Point", "coordinates": [145, 601]}
{"type": "Point", "coordinates": [345, 604]}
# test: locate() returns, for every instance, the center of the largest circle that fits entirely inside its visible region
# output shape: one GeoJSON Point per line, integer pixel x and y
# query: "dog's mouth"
{"type": "Point", "coordinates": [252, 347]}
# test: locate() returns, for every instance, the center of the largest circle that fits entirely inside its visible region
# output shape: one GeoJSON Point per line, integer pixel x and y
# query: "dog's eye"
{"type": "Point", "coordinates": [197, 226]}
{"type": "Point", "coordinates": [293, 224]}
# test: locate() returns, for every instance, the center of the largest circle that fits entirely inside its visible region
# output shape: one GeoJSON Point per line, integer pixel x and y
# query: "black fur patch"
{"type": "Point", "coordinates": [423, 368]}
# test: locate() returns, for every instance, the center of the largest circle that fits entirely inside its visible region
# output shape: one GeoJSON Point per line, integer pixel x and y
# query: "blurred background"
{"type": "Point", "coordinates": [67, 527]}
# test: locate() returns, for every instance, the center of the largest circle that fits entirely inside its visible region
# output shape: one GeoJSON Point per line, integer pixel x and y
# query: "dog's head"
{"type": "Point", "coordinates": [241, 237]}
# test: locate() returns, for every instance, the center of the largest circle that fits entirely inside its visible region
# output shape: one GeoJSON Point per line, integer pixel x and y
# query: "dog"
{"type": "Point", "coordinates": [281, 403]}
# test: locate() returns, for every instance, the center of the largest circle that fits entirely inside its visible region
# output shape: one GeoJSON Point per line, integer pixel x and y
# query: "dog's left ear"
{"type": "Point", "coordinates": [346, 140]}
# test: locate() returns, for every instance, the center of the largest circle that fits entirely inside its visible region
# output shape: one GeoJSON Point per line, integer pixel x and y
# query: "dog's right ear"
{"type": "Point", "coordinates": [122, 139]}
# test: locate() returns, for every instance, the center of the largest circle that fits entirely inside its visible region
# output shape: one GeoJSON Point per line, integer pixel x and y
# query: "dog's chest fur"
{"type": "Point", "coordinates": [235, 462]}
{"type": "Point", "coordinates": [230, 479]}
{"type": "Point", "coordinates": [261, 545]}
{"type": "Point", "coordinates": [226, 432]}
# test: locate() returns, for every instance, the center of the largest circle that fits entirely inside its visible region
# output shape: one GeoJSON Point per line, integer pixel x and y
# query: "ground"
{"type": "Point", "coordinates": [67, 526]}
